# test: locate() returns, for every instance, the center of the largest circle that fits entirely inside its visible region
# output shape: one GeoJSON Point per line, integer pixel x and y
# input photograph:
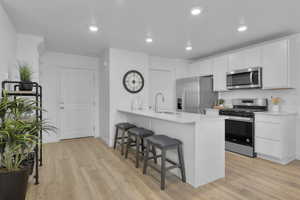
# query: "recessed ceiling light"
{"type": "Point", "coordinates": [149, 40]}
{"type": "Point", "coordinates": [93, 28]}
{"type": "Point", "coordinates": [196, 11]}
{"type": "Point", "coordinates": [242, 28]}
{"type": "Point", "coordinates": [189, 48]}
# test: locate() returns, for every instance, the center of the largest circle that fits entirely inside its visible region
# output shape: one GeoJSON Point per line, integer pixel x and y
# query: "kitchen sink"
{"type": "Point", "coordinates": [168, 112]}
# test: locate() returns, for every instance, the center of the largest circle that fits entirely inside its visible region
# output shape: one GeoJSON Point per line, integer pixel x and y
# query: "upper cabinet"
{"type": "Point", "coordinates": [275, 62]}
{"type": "Point", "coordinates": [245, 59]}
{"type": "Point", "coordinates": [201, 68]}
{"type": "Point", "coordinates": [220, 69]}
{"type": "Point", "coordinates": [279, 60]}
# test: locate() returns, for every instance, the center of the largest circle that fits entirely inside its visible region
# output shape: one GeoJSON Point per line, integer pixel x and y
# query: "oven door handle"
{"type": "Point", "coordinates": [241, 119]}
{"type": "Point", "coordinates": [251, 78]}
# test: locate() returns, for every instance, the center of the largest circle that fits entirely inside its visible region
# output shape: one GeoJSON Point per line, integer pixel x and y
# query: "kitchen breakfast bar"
{"type": "Point", "coordinates": [203, 139]}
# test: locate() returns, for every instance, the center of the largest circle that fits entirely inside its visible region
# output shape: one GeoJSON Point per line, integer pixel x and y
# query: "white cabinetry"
{"type": "Point", "coordinates": [245, 59]}
{"type": "Point", "coordinates": [275, 62]}
{"type": "Point", "coordinates": [275, 137]}
{"type": "Point", "coordinates": [201, 68]}
{"type": "Point", "coordinates": [279, 60]}
{"type": "Point", "coordinates": [220, 69]}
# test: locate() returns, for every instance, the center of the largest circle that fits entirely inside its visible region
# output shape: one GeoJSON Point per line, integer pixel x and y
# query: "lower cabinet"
{"type": "Point", "coordinates": [275, 137]}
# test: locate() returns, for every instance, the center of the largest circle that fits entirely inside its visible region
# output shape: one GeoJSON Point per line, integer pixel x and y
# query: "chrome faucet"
{"type": "Point", "coordinates": [156, 103]}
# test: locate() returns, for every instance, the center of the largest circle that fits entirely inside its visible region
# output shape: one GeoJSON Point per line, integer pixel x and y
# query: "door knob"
{"type": "Point", "coordinates": [62, 106]}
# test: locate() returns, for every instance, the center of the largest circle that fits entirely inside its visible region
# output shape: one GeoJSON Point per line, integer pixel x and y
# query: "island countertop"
{"type": "Point", "coordinates": [179, 117]}
{"type": "Point", "coordinates": [202, 137]}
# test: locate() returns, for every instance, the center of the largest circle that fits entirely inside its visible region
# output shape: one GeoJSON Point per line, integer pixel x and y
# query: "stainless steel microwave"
{"type": "Point", "coordinates": [245, 78]}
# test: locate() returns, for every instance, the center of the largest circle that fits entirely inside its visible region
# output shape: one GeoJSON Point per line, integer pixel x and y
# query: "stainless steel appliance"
{"type": "Point", "coordinates": [195, 94]}
{"type": "Point", "coordinates": [240, 126]}
{"type": "Point", "coordinates": [245, 78]}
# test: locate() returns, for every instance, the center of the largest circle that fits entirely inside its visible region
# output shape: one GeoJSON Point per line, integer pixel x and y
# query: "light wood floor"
{"type": "Point", "coordinates": [85, 169]}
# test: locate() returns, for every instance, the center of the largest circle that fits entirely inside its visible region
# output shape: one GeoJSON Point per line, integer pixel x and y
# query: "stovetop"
{"type": "Point", "coordinates": [241, 112]}
{"type": "Point", "coordinates": [245, 107]}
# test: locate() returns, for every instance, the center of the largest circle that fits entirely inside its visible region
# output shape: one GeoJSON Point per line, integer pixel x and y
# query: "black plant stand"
{"type": "Point", "coordinates": [12, 88]}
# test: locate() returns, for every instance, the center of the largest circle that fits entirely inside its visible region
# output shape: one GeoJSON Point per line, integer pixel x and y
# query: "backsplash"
{"type": "Point", "coordinates": [288, 96]}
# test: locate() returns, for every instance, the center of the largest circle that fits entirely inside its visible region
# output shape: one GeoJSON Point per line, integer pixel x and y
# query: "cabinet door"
{"type": "Point", "coordinates": [245, 59]}
{"type": "Point", "coordinates": [201, 68]}
{"type": "Point", "coordinates": [252, 57]}
{"type": "Point", "coordinates": [275, 65]}
{"type": "Point", "coordinates": [206, 68]}
{"type": "Point", "coordinates": [220, 68]}
{"type": "Point", "coordinates": [236, 61]}
{"type": "Point", "coordinates": [268, 147]}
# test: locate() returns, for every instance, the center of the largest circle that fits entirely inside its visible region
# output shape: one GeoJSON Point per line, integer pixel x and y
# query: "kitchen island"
{"type": "Point", "coordinates": [203, 139]}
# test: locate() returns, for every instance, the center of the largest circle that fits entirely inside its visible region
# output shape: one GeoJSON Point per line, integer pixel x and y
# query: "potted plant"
{"type": "Point", "coordinates": [276, 104]}
{"type": "Point", "coordinates": [221, 102]}
{"type": "Point", "coordinates": [18, 138]}
{"type": "Point", "coordinates": [25, 77]}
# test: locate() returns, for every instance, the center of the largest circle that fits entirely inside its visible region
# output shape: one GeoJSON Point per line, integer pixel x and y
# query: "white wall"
{"type": "Point", "coordinates": [28, 51]}
{"type": "Point", "coordinates": [51, 63]}
{"type": "Point", "coordinates": [121, 61]}
{"type": "Point", "coordinates": [8, 45]}
{"type": "Point", "coordinates": [177, 68]}
{"type": "Point", "coordinates": [104, 97]}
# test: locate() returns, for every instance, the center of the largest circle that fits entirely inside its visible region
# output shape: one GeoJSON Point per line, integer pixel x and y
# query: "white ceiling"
{"type": "Point", "coordinates": [125, 24]}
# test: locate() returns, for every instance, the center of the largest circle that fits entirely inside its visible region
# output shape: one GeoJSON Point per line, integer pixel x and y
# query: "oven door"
{"type": "Point", "coordinates": [240, 130]}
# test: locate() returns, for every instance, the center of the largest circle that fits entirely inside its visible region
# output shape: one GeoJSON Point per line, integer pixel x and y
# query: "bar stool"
{"type": "Point", "coordinates": [136, 138]}
{"type": "Point", "coordinates": [121, 127]}
{"type": "Point", "coordinates": [165, 143]}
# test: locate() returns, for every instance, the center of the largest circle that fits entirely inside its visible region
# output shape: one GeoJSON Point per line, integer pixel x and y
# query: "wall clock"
{"type": "Point", "coordinates": [133, 81]}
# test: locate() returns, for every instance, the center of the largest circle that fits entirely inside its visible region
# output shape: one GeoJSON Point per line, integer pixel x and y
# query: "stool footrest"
{"type": "Point", "coordinates": [172, 167]}
{"type": "Point", "coordinates": [171, 161]}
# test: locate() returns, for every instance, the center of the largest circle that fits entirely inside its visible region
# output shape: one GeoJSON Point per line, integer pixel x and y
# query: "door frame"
{"type": "Point", "coordinates": [95, 104]}
{"type": "Point", "coordinates": [164, 69]}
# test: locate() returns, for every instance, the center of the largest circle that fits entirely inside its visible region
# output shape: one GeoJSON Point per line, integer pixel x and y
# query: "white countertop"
{"type": "Point", "coordinates": [178, 117]}
{"type": "Point", "coordinates": [280, 113]}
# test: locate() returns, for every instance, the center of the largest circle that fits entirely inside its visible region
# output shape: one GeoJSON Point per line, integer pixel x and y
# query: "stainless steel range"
{"type": "Point", "coordinates": [240, 126]}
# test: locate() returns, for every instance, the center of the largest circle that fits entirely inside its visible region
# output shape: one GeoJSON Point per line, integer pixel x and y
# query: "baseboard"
{"type": "Point", "coordinates": [283, 161]}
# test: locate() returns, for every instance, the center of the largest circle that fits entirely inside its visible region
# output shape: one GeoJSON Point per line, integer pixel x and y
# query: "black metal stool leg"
{"type": "Point", "coordinates": [143, 147]}
{"type": "Point", "coordinates": [129, 141]}
{"type": "Point", "coordinates": [122, 142]}
{"type": "Point", "coordinates": [146, 158]}
{"type": "Point", "coordinates": [137, 153]}
{"type": "Point", "coordinates": [163, 169]}
{"type": "Point", "coordinates": [116, 138]}
{"type": "Point", "coordinates": [153, 150]}
{"type": "Point", "coordinates": [181, 163]}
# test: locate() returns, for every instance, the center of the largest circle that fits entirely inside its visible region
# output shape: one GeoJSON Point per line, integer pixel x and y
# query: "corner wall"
{"type": "Point", "coordinates": [8, 46]}
{"type": "Point", "coordinates": [104, 103]}
{"type": "Point", "coordinates": [28, 51]}
{"type": "Point", "coordinates": [121, 61]}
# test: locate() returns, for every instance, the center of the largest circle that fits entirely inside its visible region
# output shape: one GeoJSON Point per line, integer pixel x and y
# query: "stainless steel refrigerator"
{"type": "Point", "coordinates": [195, 94]}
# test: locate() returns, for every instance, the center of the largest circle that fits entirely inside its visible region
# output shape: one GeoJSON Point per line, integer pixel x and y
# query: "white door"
{"type": "Point", "coordinates": [77, 103]}
{"type": "Point", "coordinates": [163, 81]}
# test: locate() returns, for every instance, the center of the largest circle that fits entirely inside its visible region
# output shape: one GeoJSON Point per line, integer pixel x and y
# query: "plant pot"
{"type": "Point", "coordinates": [276, 108]}
{"type": "Point", "coordinates": [13, 184]}
{"type": "Point", "coordinates": [26, 86]}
